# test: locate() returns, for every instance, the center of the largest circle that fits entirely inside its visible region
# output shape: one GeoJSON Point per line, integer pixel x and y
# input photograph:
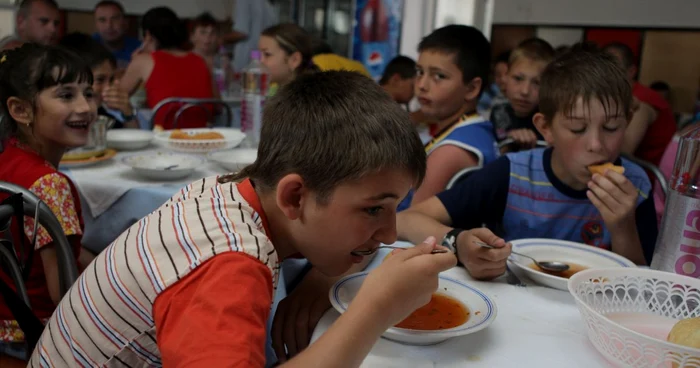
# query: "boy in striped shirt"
{"type": "Point", "coordinates": [192, 283]}
{"type": "Point", "coordinates": [585, 106]}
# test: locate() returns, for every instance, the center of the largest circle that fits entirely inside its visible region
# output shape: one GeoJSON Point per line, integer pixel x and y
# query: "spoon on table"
{"type": "Point", "coordinates": [545, 265]}
{"type": "Point", "coordinates": [369, 252]}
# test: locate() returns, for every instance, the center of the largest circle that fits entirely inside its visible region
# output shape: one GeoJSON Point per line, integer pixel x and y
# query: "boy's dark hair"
{"type": "Point", "coordinates": [331, 128]}
{"type": "Point", "coordinates": [625, 51]}
{"type": "Point", "coordinates": [205, 20]}
{"type": "Point", "coordinates": [92, 52]}
{"type": "Point", "coordinates": [32, 68]}
{"type": "Point", "coordinates": [291, 39]}
{"type": "Point", "coordinates": [660, 86]}
{"type": "Point", "coordinates": [584, 72]}
{"type": "Point", "coordinates": [113, 3]}
{"type": "Point", "coordinates": [503, 57]}
{"type": "Point", "coordinates": [404, 66]}
{"type": "Point", "coordinates": [535, 49]}
{"type": "Point", "coordinates": [26, 5]}
{"type": "Point", "coordinates": [471, 50]}
{"type": "Point", "coordinates": [164, 25]}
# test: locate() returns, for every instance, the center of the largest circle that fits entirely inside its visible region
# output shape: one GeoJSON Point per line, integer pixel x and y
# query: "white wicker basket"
{"type": "Point", "coordinates": [652, 299]}
{"type": "Point", "coordinates": [232, 138]}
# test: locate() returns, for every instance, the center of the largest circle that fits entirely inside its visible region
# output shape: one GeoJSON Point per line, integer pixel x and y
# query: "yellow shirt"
{"type": "Point", "coordinates": [327, 62]}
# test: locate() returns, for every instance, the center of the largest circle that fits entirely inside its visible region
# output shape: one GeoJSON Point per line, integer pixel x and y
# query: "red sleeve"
{"type": "Point", "coordinates": [217, 315]}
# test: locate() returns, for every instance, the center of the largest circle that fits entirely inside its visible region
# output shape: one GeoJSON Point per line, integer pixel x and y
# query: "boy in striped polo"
{"type": "Point", "coordinates": [585, 106]}
{"type": "Point", "coordinates": [192, 283]}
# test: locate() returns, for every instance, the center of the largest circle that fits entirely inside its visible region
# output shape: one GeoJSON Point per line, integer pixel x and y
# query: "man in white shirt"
{"type": "Point", "coordinates": [250, 17]}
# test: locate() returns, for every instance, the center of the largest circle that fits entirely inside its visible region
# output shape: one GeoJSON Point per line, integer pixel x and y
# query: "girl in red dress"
{"type": "Point", "coordinates": [47, 107]}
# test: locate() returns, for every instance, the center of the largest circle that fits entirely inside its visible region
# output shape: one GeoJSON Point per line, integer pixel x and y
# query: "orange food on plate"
{"type": "Point", "coordinates": [179, 134]}
{"type": "Point", "coordinates": [442, 312]}
{"type": "Point", "coordinates": [600, 169]}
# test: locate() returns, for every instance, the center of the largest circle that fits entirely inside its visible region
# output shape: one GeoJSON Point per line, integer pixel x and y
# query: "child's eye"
{"type": "Point", "coordinates": [419, 72]}
{"type": "Point", "coordinates": [66, 96]}
{"type": "Point", "coordinates": [439, 76]}
{"type": "Point", "coordinates": [373, 211]}
{"type": "Point", "coordinates": [89, 94]}
{"type": "Point", "coordinates": [578, 131]}
{"type": "Point", "coordinates": [611, 129]}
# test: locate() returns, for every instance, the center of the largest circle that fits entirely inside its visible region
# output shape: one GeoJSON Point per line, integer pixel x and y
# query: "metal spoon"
{"type": "Point", "coordinates": [546, 265]}
{"type": "Point", "coordinates": [369, 252]}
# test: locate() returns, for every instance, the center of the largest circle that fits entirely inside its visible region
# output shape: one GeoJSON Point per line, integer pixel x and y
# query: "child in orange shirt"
{"type": "Point", "coordinates": [192, 283]}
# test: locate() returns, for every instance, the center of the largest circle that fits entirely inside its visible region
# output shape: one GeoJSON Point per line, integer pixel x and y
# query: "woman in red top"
{"type": "Point", "coordinates": [167, 70]}
{"type": "Point", "coordinates": [47, 107]}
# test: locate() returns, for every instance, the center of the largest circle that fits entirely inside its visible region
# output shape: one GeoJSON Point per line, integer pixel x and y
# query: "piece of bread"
{"type": "Point", "coordinates": [600, 169]}
{"type": "Point", "coordinates": [686, 332]}
{"type": "Point", "coordinates": [179, 134]}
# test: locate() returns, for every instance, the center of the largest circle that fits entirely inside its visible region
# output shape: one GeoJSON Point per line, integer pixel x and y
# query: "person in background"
{"type": "Point", "coordinates": [513, 120]}
{"type": "Point", "coordinates": [169, 70]}
{"type": "Point", "coordinates": [111, 25]}
{"type": "Point", "coordinates": [325, 59]}
{"type": "Point", "coordinates": [653, 124]}
{"type": "Point", "coordinates": [399, 79]}
{"type": "Point", "coordinates": [336, 155]}
{"type": "Point", "coordinates": [205, 38]}
{"type": "Point", "coordinates": [494, 94]}
{"type": "Point", "coordinates": [48, 104]}
{"type": "Point", "coordinates": [36, 21]}
{"type": "Point", "coordinates": [250, 18]}
{"type": "Point", "coordinates": [452, 67]}
{"type": "Point", "coordinates": [111, 100]}
{"type": "Point", "coordinates": [285, 50]}
{"type": "Point", "coordinates": [585, 105]}
{"type": "Point", "coordinates": [663, 89]}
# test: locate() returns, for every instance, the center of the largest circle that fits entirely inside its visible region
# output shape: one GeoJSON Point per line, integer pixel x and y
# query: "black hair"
{"type": "Point", "coordinates": [32, 68]}
{"type": "Point", "coordinates": [204, 20]}
{"type": "Point", "coordinates": [471, 50]}
{"type": "Point", "coordinates": [404, 66]}
{"type": "Point", "coordinates": [25, 5]}
{"type": "Point", "coordinates": [625, 51]}
{"type": "Point", "coordinates": [91, 51]}
{"type": "Point", "coordinates": [113, 3]}
{"type": "Point", "coordinates": [503, 57]}
{"type": "Point", "coordinates": [660, 86]}
{"type": "Point", "coordinates": [165, 27]}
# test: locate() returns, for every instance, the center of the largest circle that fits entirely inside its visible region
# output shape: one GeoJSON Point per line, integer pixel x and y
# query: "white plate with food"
{"type": "Point", "coordinates": [200, 140]}
{"type": "Point", "coordinates": [234, 160]}
{"type": "Point", "coordinates": [164, 165]}
{"type": "Point", "coordinates": [640, 317]}
{"type": "Point", "coordinates": [463, 308]}
{"type": "Point", "coordinates": [129, 139]}
{"type": "Point", "coordinates": [578, 256]}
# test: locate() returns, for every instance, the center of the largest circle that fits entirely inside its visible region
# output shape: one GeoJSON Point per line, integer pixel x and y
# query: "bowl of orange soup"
{"type": "Point", "coordinates": [455, 309]}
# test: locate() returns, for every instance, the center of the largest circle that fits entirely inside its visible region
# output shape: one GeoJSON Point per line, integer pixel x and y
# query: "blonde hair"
{"type": "Point", "coordinates": [533, 49]}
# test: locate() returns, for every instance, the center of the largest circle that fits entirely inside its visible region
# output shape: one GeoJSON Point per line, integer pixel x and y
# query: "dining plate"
{"type": "Point", "coordinates": [89, 161]}
{"type": "Point", "coordinates": [482, 309]}
{"type": "Point", "coordinates": [234, 160]}
{"type": "Point", "coordinates": [574, 254]}
{"type": "Point", "coordinates": [129, 139]}
{"type": "Point", "coordinates": [164, 165]}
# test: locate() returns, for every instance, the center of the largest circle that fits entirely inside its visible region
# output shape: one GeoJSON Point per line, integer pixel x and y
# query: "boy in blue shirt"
{"type": "Point", "coordinates": [585, 106]}
{"type": "Point", "coordinates": [452, 70]}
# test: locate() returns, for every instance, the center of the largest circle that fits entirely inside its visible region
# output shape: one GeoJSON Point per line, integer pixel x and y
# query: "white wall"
{"type": "Point", "coordinates": [623, 13]}
{"type": "Point", "coordinates": [560, 36]}
{"type": "Point", "coordinates": [418, 20]}
{"type": "Point", "coordinates": [220, 9]}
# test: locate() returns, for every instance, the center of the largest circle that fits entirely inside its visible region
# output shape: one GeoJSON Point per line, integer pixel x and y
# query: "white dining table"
{"type": "Point", "coordinates": [535, 327]}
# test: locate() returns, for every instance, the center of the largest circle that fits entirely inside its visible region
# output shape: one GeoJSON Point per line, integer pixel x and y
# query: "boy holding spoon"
{"type": "Point", "coordinates": [192, 283]}
{"type": "Point", "coordinates": [585, 106]}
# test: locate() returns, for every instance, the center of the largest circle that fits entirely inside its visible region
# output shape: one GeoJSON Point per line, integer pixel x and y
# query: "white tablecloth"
{"type": "Point", "coordinates": [103, 184]}
{"type": "Point", "coordinates": [535, 327]}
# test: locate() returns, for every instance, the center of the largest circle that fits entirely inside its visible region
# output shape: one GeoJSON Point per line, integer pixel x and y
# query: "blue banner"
{"type": "Point", "coordinates": [376, 33]}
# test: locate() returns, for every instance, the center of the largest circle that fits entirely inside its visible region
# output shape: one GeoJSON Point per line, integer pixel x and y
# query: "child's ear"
{"type": "Point", "coordinates": [473, 89]}
{"type": "Point", "coordinates": [290, 195]}
{"type": "Point", "coordinates": [20, 110]}
{"type": "Point", "coordinates": [544, 127]}
{"type": "Point", "coordinates": [294, 60]}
